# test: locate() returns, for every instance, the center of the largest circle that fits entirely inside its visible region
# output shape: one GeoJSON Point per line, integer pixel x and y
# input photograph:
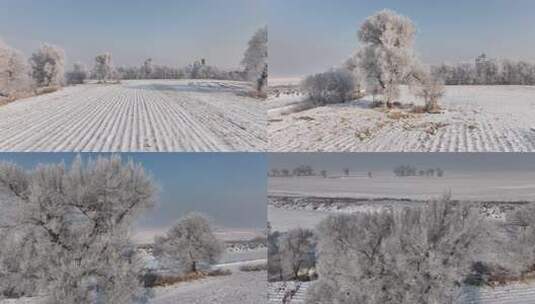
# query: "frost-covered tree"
{"type": "Point", "coordinates": [146, 69]}
{"type": "Point", "coordinates": [430, 89]}
{"type": "Point", "coordinates": [77, 75]}
{"type": "Point", "coordinates": [519, 256]}
{"type": "Point", "coordinates": [14, 71]}
{"type": "Point", "coordinates": [296, 251]}
{"type": "Point", "coordinates": [386, 59]}
{"type": "Point", "coordinates": [333, 86]}
{"type": "Point", "coordinates": [274, 254]}
{"type": "Point", "coordinates": [48, 65]}
{"type": "Point", "coordinates": [415, 255]}
{"type": "Point", "coordinates": [71, 229]}
{"type": "Point", "coordinates": [190, 242]}
{"type": "Point", "coordinates": [103, 67]}
{"type": "Point", "coordinates": [255, 59]}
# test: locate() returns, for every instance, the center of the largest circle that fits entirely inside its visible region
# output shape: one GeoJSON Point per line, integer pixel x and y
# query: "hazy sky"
{"type": "Point", "coordinates": [173, 32]}
{"type": "Point", "coordinates": [364, 162]}
{"type": "Point", "coordinates": [307, 36]}
{"type": "Point", "coordinates": [228, 187]}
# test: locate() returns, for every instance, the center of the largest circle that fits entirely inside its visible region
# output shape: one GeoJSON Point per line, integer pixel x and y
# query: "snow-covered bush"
{"type": "Point", "coordinates": [48, 66]}
{"type": "Point", "coordinates": [386, 59]}
{"type": "Point", "coordinates": [430, 90]}
{"type": "Point", "coordinates": [255, 59]}
{"type": "Point", "coordinates": [190, 242]}
{"type": "Point", "coordinates": [415, 255]}
{"type": "Point", "coordinates": [520, 253]}
{"type": "Point", "coordinates": [14, 71]}
{"type": "Point", "coordinates": [333, 86]}
{"type": "Point", "coordinates": [77, 75]}
{"type": "Point", "coordinates": [297, 248]}
{"type": "Point", "coordinates": [103, 67]}
{"type": "Point", "coordinates": [71, 229]}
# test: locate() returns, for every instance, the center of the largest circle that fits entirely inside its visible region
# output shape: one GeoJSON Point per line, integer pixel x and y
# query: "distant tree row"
{"type": "Point", "coordinates": [196, 70]}
{"type": "Point", "coordinates": [408, 170]}
{"type": "Point", "coordinates": [302, 170]}
{"type": "Point", "coordinates": [487, 71]}
{"type": "Point", "coordinates": [46, 68]}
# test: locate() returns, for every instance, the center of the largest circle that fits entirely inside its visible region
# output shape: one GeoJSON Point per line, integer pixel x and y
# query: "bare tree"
{"type": "Point", "coordinates": [255, 59]}
{"type": "Point", "coordinates": [430, 90]}
{"type": "Point", "coordinates": [72, 226]}
{"type": "Point", "coordinates": [190, 242]}
{"type": "Point", "coordinates": [296, 251]}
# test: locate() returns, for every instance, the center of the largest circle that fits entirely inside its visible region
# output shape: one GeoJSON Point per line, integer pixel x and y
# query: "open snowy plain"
{"type": "Point", "coordinates": [137, 115]}
{"type": "Point", "coordinates": [473, 119]}
{"type": "Point", "coordinates": [305, 201]}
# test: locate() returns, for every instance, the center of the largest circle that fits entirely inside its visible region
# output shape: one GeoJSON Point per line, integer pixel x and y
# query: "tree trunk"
{"type": "Point", "coordinates": [194, 267]}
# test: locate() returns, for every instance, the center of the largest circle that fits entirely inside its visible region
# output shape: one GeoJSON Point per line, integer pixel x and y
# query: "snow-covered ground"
{"type": "Point", "coordinates": [475, 118]}
{"type": "Point", "coordinates": [305, 201]}
{"type": "Point", "coordinates": [480, 186]}
{"type": "Point", "coordinates": [240, 288]}
{"type": "Point", "coordinates": [137, 115]}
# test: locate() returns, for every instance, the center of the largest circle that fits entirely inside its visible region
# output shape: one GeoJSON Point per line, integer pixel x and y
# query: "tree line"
{"type": "Point", "coordinates": [408, 170]}
{"type": "Point", "coordinates": [46, 68]}
{"type": "Point", "coordinates": [486, 71]}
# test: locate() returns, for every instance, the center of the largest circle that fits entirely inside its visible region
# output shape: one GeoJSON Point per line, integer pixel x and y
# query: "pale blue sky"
{"type": "Point", "coordinates": [228, 187]}
{"type": "Point", "coordinates": [308, 36]}
{"type": "Point", "coordinates": [173, 32]}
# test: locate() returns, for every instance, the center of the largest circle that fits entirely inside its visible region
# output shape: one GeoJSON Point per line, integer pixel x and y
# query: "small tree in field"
{"type": "Point", "coordinates": [48, 66]}
{"type": "Point", "coordinates": [77, 75]}
{"type": "Point", "coordinates": [14, 71]}
{"type": "Point", "coordinates": [190, 242]}
{"type": "Point", "coordinates": [296, 251]}
{"type": "Point", "coordinates": [387, 59]}
{"type": "Point", "coordinates": [255, 60]}
{"type": "Point", "coordinates": [70, 230]}
{"type": "Point", "coordinates": [103, 67]}
{"type": "Point", "coordinates": [430, 90]}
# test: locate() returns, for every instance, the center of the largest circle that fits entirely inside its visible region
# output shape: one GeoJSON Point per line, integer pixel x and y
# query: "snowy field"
{"type": "Point", "coordinates": [475, 118]}
{"type": "Point", "coordinates": [240, 287]}
{"type": "Point", "coordinates": [311, 199]}
{"type": "Point", "coordinates": [482, 186]}
{"type": "Point", "coordinates": [137, 115]}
